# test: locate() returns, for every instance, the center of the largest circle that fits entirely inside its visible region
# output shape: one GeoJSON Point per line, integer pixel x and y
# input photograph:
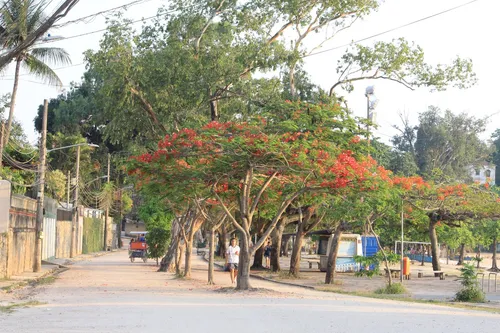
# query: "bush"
{"type": "Point", "coordinates": [157, 239]}
{"type": "Point", "coordinates": [471, 294]}
{"type": "Point", "coordinates": [470, 291]}
{"type": "Point", "coordinates": [393, 289]}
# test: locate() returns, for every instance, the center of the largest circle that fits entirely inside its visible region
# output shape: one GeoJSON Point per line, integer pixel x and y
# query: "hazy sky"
{"type": "Point", "coordinates": [465, 32]}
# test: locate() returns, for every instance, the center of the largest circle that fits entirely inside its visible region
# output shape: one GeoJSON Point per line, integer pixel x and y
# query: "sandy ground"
{"type": "Point", "coordinates": [110, 294]}
{"type": "Point", "coordinates": [426, 288]}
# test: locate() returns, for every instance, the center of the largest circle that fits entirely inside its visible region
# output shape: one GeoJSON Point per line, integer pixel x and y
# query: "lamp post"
{"type": "Point", "coordinates": [371, 104]}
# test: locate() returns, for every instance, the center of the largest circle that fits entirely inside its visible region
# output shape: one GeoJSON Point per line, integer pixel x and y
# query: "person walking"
{"type": "Point", "coordinates": [267, 254]}
{"type": "Point", "coordinates": [233, 259]}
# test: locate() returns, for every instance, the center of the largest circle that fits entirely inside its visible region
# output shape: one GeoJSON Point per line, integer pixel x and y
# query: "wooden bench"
{"type": "Point", "coordinates": [311, 262]}
{"type": "Point", "coordinates": [440, 274]}
{"type": "Point", "coordinates": [394, 272]}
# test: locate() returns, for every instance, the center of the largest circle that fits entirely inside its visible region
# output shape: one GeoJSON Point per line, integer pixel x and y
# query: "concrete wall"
{"type": "Point", "coordinates": [5, 192]}
{"type": "Point", "coordinates": [49, 229]}
{"type": "Point", "coordinates": [3, 254]}
{"type": "Point", "coordinates": [21, 234]}
{"type": "Point", "coordinates": [4, 225]}
{"type": "Point", "coordinates": [63, 239]}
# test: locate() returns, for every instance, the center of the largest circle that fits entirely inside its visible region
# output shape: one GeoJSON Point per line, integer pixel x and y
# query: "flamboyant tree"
{"type": "Point", "coordinates": [263, 165]}
{"type": "Point", "coordinates": [452, 205]}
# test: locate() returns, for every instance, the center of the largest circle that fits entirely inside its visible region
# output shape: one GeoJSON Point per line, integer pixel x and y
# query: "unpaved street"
{"type": "Point", "coordinates": [110, 294]}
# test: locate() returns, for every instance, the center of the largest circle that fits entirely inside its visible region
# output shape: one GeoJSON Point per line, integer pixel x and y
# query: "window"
{"type": "Point", "coordinates": [488, 173]}
{"type": "Point", "coordinates": [478, 172]}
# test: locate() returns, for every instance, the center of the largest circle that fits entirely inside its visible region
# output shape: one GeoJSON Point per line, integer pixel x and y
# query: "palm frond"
{"type": "Point", "coordinates": [51, 55]}
{"type": "Point", "coordinates": [19, 18]}
{"type": "Point", "coordinates": [41, 70]}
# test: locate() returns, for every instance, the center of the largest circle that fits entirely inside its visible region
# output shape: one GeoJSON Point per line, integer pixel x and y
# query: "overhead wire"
{"type": "Point", "coordinates": [121, 25]}
{"type": "Point", "coordinates": [94, 15]}
{"type": "Point", "coordinates": [392, 29]}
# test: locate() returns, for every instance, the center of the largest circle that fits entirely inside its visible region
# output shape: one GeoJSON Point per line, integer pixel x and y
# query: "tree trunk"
{"type": "Point", "coordinates": [214, 110]}
{"type": "Point", "coordinates": [211, 250]}
{"type": "Point", "coordinates": [296, 252]}
{"type": "Point", "coordinates": [332, 255]}
{"type": "Point", "coordinates": [243, 282]}
{"type": "Point", "coordinates": [434, 246]}
{"type": "Point", "coordinates": [178, 258]}
{"type": "Point", "coordinates": [291, 75]}
{"type": "Point", "coordinates": [222, 241]}
{"type": "Point", "coordinates": [423, 255]}
{"type": "Point", "coordinates": [259, 254]}
{"type": "Point", "coordinates": [187, 262]}
{"type": "Point", "coordinates": [276, 242]}
{"type": "Point", "coordinates": [494, 267]}
{"type": "Point", "coordinates": [478, 257]}
{"type": "Point", "coordinates": [166, 261]}
{"type": "Point", "coordinates": [461, 257]}
{"type": "Point", "coordinates": [12, 102]}
{"type": "Point", "coordinates": [258, 258]}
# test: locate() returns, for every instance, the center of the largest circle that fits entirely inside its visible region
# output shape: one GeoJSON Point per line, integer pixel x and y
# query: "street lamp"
{"type": "Point", "coordinates": [371, 104]}
{"type": "Point", "coordinates": [75, 145]}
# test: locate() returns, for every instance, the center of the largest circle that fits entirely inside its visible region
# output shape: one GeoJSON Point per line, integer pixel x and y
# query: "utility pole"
{"type": "Point", "coordinates": [119, 226]}
{"type": "Point", "coordinates": [2, 131]}
{"type": "Point", "coordinates": [402, 240]}
{"type": "Point", "coordinates": [37, 263]}
{"type": "Point", "coordinates": [75, 208]}
{"type": "Point", "coordinates": [68, 189]}
{"type": "Point", "coordinates": [106, 217]}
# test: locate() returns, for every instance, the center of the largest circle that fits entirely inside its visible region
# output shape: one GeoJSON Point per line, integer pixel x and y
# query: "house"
{"type": "Point", "coordinates": [483, 173]}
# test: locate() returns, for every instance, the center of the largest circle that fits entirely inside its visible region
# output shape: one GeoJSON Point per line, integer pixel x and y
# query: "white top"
{"type": "Point", "coordinates": [232, 257]}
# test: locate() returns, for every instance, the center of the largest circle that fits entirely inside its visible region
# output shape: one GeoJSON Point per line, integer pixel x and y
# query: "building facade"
{"type": "Point", "coordinates": [483, 173]}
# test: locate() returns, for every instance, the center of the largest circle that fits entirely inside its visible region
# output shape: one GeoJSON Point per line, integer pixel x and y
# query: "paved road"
{"type": "Point", "coordinates": [109, 294]}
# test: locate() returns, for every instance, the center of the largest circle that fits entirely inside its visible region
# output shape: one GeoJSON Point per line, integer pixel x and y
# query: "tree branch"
{"type": "Point", "coordinates": [261, 191]}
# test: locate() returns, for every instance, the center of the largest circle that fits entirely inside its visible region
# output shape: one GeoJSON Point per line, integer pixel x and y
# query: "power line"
{"type": "Point", "coordinates": [391, 30]}
{"type": "Point", "coordinates": [93, 16]}
{"type": "Point", "coordinates": [120, 25]}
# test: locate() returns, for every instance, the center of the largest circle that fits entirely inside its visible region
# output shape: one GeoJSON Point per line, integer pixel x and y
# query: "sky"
{"type": "Point", "coordinates": [465, 32]}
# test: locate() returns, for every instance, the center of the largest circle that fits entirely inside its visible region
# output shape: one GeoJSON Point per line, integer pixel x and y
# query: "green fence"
{"type": "Point", "coordinates": [92, 235]}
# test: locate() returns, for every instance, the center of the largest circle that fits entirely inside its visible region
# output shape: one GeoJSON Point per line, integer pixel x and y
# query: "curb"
{"type": "Point", "coordinates": [281, 282]}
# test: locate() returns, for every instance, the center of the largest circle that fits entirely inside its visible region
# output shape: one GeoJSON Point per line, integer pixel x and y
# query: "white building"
{"type": "Point", "coordinates": [484, 172]}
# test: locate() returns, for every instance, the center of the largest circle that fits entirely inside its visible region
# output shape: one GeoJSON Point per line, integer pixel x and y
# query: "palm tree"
{"type": "Point", "coordinates": [18, 19]}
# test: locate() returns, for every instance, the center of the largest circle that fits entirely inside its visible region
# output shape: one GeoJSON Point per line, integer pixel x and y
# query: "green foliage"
{"type": "Point", "coordinates": [375, 262]}
{"type": "Point", "coordinates": [404, 63]}
{"type": "Point", "coordinates": [157, 240]}
{"type": "Point", "coordinates": [154, 213]}
{"type": "Point", "coordinates": [393, 289]}
{"type": "Point", "coordinates": [495, 156]}
{"type": "Point", "coordinates": [92, 235]}
{"type": "Point", "coordinates": [470, 291]}
{"type": "Point", "coordinates": [56, 184]}
{"type": "Point", "coordinates": [444, 146]}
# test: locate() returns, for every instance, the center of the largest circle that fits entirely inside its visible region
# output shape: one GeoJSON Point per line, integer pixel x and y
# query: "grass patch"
{"type": "Point", "coordinates": [10, 308]}
{"type": "Point", "coordinates": [14, 286]}
{"type": "Point", "coordinates": [285, 275]}
{"type": "Point", "coordinates": [44, 281]}
{"type": "Point", "coordinates": [402, 298]}
{"type": "Point", "coordinates": [393, 289]}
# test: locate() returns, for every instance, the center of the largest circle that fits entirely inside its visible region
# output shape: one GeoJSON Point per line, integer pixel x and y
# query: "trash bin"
{"type": "Point", "coordinates": [406, 266]}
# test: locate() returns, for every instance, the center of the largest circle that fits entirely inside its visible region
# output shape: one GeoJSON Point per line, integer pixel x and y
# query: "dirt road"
{"type": "Point", "coordinates": [110, 294]}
